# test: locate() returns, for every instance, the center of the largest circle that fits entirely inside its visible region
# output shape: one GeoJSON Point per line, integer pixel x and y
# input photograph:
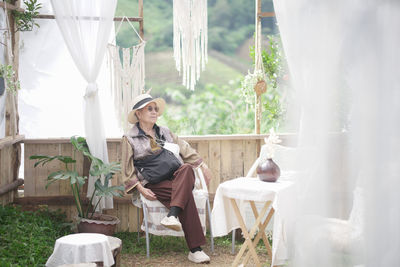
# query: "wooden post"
{"type": "Point", "coordinates": [257, 106]}
{"type": "Point", "coordinates": [141, 22]}
{"type": "Point", "coordinates": [11, 100]}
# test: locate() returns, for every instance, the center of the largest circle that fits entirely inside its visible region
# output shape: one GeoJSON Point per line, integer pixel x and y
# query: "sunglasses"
{"type": "Point", "coordinates": [150, 108]}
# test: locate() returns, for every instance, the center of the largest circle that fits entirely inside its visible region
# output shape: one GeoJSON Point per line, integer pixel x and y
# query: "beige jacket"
{"type": "Point", "coordinates": [136, 145]}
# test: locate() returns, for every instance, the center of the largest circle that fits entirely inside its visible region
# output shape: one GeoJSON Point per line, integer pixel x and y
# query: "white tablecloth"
{"type": "Point", "coordinates": [282, 195]}
{"type": "Point", "coordinates": [81, 248]}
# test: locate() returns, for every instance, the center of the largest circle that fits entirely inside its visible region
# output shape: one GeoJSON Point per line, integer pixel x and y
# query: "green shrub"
{"type": "Point", "coordinates": [27, 238]}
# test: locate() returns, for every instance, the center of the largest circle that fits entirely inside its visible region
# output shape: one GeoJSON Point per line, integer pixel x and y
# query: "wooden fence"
{"type": "Point", "coordinates": [227, 156]}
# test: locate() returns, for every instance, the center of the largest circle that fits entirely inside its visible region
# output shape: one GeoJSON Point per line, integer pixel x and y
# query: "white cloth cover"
{"type": "Point", "coordinates": [157, 211]}
{"type": "Point", "coordinates": [86, 26]}
{"type": "Point", "coordinates": [190, 39]}
{"type": "Point", "coordinates": [81, 248]}
{"type": "Point", "coordinates": [344, 63]}
{"type": "Point", "coordinates": [282, 195]}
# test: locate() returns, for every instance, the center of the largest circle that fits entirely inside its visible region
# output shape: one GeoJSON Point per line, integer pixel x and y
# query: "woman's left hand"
{"type": "Point", "coordinates": [207, 173]}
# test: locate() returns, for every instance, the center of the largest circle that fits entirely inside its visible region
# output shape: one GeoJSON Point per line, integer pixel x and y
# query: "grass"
{"type": "Point", "coordinates": [27, 238]}
{"type": "Point", "coordinates": [162, 245]}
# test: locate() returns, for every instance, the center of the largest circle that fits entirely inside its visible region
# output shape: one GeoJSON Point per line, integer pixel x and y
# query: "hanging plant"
{"type": "Point", "coordinates": [24, 20]}
{"type": "Point", "coordinates": [8, 74]}
{"type": "Point", "coordinates": [272, 60]}
{"type": "Point", "coordinates": [248, 84]}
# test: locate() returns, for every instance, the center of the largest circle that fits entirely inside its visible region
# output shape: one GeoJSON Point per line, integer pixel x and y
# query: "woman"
{"type": "Point", "coordinates": [142, 146]}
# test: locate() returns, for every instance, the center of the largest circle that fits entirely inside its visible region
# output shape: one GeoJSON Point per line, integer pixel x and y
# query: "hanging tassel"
{"type": "Point", "coordinates": [190, 39]}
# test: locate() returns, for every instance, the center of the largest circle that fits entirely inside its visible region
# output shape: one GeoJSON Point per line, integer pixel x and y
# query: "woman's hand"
{"type": "Point", "coordinates": [147, 193]}
{"type": "Point", "coordinates": [207, 173]}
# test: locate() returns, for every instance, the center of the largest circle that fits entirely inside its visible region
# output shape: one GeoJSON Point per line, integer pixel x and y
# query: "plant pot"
{"type": "Point", "coordinates": [260, 87]}
{"type": "Point", "coordinates": [268, 171]}
{"type": "Point", "coordinates": [99, 223]}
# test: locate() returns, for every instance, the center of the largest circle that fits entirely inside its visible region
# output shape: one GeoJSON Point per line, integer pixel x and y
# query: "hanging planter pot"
{"type": "Point", "coordinates": [2, 86]}
{"type": "Point", "coordinates": [260, 87]}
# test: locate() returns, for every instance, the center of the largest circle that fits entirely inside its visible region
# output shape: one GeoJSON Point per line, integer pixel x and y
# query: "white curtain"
{"type": "Point", "coordinates": [344, 65]}
{"type": "Point", "coordinates": [85, 26]}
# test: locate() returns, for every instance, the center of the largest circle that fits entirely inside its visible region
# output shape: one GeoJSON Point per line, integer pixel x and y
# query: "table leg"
{"type": "Point", "coordinates": [261, 232]}
{"type": "Point", "coordinates": [248, 236]}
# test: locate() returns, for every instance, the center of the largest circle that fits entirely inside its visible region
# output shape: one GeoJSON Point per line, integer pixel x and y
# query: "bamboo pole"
{"type": "Point", "coordinates": [11, 6]}
{"type": "Point", "coordinates": [257, 106]}
{"type": "Point", "coordinates": [42, 16]}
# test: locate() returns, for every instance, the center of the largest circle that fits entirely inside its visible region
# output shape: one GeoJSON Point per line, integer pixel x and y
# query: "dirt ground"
{"type": "Point", "coordinates": [221, 257]}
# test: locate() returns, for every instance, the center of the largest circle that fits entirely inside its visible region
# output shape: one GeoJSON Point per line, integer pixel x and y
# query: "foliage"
{"type": "Point", "coordinates": [273, 59]}
{"type": "Point", "coordinates": [230, 23]}
{"type": "Point", "coordinates": [213, 110]}
{"type": "Point", "coordinates": [8, 73]}
{"type": "Point", "coordinates": [98, 169]}
{"type": "Point", "coordinates": [27, 238]}
{"type": "Point", "coordinates": [274, 68]}
{"type": "Point", "coordinates": [24, 20]}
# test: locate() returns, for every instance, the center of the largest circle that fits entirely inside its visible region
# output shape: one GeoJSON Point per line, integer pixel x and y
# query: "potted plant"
{"type": "Point", "coordinates": [88, 219]}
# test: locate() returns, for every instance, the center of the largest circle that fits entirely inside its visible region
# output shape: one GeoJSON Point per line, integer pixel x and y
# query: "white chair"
{"type": "Point", "coordinates": [154, 211]}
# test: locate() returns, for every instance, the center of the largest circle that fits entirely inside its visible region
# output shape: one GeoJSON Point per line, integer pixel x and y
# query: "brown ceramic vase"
{"type": "Point", "coordinates": [268, 171]}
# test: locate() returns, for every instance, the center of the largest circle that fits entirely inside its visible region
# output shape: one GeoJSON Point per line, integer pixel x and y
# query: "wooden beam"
{"type": "Point", "coordinates": [266, 14]}
{"type": "Point", "coordinates": [63, 200]}
{"type": "Point", "coordinates": [9, 140]}
{"type": "Point", "coordinates": [42, 16]}
{"type": "Point", "coordinates": [11, 7]}
{"type": "Point", "coordinates": [69, 200]}
{"type": "Point", "coordinates": [11, 186]}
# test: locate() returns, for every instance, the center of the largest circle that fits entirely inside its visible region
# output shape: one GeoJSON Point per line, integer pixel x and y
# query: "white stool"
{"type": "Point", "coordinates": [81, 248]}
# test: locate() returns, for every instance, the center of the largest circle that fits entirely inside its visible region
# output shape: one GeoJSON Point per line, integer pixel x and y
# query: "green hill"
{"type": "Point", "coordinates": [162, 74]}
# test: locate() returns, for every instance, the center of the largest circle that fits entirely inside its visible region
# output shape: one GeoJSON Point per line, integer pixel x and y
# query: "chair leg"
{"type": "Point", "coordinates": [138, 224]}
{"type": "Point", "coordinates": [209, 222]}
{"type": "Point", "coordinates": [233, 240]}
{"type": "Point", "coordinates": [147, 231]}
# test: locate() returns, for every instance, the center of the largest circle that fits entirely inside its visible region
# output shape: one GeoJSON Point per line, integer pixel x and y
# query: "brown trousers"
{"type": "Point", "coordinates": [178, 192]}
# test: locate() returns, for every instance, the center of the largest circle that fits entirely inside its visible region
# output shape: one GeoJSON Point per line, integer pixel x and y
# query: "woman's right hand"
{"type": "Point", "coordinates": [147, 193]}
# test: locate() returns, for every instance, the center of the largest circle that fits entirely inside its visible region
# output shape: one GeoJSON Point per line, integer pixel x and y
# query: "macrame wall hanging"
{"type": "Point", "coordinates": [127, 75]}
{"type": "Point", "coordinates": [190, 39]}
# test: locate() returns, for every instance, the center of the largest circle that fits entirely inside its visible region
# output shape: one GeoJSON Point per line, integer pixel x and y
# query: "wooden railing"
{"type": "Point", "coordinates": [9, 164]}
{"type": "Point", "coordinates": [228, 157]}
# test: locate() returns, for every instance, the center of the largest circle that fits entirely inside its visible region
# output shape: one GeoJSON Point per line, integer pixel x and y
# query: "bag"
{"type": "Point", "coordinates": [158, 167]}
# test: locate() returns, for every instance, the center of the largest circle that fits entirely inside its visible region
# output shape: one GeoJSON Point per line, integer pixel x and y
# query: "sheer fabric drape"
{"type": "Point", "coordinates": [85, 26]}
{"type": "Point", "coordinates": [344, 65]}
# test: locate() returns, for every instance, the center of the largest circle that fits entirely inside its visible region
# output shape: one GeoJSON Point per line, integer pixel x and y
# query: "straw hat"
{"type": "Point", "coordinates": [141, 101]}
